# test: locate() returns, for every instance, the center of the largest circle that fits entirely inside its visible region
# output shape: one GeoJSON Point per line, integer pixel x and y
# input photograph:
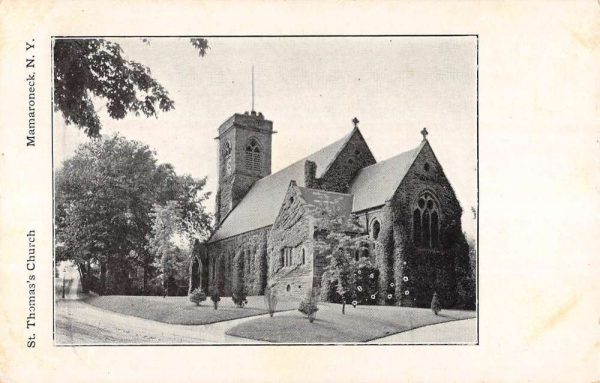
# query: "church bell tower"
{"type": "Point", "coordinates": [244, 153]}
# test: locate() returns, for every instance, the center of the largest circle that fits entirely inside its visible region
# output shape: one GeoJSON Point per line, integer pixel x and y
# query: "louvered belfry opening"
{"type": "Point", "coordinates": [253, 155]}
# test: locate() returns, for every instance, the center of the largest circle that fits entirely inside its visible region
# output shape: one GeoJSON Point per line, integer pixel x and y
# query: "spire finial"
{"type": "Point", "coordinates": [252, 88]}
{"type": "Point", "coordinates": [355, 121]}
{"type": "Point", "coordinates": [424, 133]}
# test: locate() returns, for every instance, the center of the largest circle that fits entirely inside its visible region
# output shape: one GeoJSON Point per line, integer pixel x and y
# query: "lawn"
{"type": "Point", "coordinates": [360, 324]}
{"type": "Point", "coordinates": [179, 310]}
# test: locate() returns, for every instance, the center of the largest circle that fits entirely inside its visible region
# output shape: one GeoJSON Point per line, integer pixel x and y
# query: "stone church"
{"type": "Point", "coordinates": [265, 223]}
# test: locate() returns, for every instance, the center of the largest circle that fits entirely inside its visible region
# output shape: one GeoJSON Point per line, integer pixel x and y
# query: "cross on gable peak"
{"type": "Point", "coordinates": [424, 132]}
{"type": "Point", "coordinates": [355, 121]}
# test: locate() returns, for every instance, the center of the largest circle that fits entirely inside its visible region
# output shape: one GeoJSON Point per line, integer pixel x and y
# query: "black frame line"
{"type": "Point", "coordinates": [55, 37]}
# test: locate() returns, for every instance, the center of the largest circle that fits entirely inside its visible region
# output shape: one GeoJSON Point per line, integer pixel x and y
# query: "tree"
{"type": "Point", "coordinates": [239, 294]}
{"type": "Point", "coordinates": [105, 194]}
{"type": "Point", "coordinates": [103, 197]}
{"type": "Point", "coordinates": [270, 298]}
{"type": "Point", "coordinates": [85, 69]}
{"type": "Point", "coordinates": [436, 306]}
{"type": "Point", "coordinates": [308, 306]}
{"type": "Point", "coordinates": [215, 296]}
{"type": "Point", "coordinates": [197, 296]}
{"type": "Point", "coordinates": [341, 239]}
{"type": "Point", "coordinates": [169, 244]}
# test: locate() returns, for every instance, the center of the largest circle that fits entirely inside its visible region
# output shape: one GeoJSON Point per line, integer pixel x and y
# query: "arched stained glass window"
{"type": "Point", "coordinates": [435, 231]}
{"type": "Point", "coordinates": [426, 221]}
{"type": "Point", "coordinates": [425, 230]}
{"type": "Point", "coordinates": [417, 226]}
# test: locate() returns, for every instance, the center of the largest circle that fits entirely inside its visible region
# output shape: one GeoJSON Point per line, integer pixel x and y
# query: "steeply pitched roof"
{"type": "Point", "coordinates": [338, 202]}
{"type": "Point", "coordinates": [260, 206]}
{"type": "Point", "coordinates": [375, 184]}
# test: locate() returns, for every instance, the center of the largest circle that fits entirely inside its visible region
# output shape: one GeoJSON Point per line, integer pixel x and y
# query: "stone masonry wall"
{"type": "Point", "coordinates": [237, 131]}
{"type": "Point", "coordinates": [353, 157]}
{"type": "Point", "coordinates": [251, 246]}
{"type": "Point", "coordinates": [419, 272]}
{"type": "Point", "coordinates": [291, 230]}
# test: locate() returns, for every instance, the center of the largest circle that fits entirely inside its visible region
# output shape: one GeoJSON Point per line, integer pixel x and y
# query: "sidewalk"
{"type": "Point", "coordinates": [80, 323]}
{"type": "Point", "coordinates": [460, 331]}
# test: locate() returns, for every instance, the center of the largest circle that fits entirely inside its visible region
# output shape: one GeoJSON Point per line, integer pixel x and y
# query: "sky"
{"type": "Point", "coordinates": [311, 88]}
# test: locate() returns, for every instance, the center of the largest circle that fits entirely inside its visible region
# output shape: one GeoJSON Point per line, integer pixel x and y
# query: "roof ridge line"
{"type": "Point", "coordinates": [326, 191]}
{"type": "Point", "coordinates": [412, 162]}
{"type": "Point", "coordinates": [306, 158]}
{"type": "Point", "coordinates": [417, 148]}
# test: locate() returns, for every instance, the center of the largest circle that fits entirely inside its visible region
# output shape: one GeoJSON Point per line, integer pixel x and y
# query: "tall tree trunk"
{"type": "Point", "coordinates": [91, 281]}
{"type": "Point", "coordinates": [102, 278]}
{"type": "Point", "coordinates": [344, 306]}
{"type": "Point", "coordinates": [145, 279]}
{"type": "Point", "coordinates": [84, 277]}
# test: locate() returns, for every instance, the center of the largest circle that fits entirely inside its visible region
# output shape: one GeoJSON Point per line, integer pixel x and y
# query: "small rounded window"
{"type": "Point", "coordinates": [288, 288]}
{"type": "Point", "coordinates": [350, 161]}
{"type": "Point", "coordinates": [291, 200]}
{"type": "Point", "coordinates": [426, 167]}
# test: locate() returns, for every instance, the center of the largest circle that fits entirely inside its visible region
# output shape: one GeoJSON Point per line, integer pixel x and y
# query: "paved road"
{"type": "Point", "coordinates": [79, 323]}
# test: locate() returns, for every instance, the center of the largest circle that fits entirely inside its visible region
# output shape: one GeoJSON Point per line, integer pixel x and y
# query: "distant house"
{"type": "Point", "coordinates": [405, 203]}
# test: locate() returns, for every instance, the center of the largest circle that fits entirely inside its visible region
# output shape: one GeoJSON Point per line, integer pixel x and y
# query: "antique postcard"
{"type": "Point", "coordinates": [396, 185]}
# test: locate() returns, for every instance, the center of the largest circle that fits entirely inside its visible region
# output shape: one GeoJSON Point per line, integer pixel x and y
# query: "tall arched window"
{"type": "Point", "coordinates": [426, 239]}
{"type": "Point", "coordinates": [226, 153]}
{"type": "Point", "coordinates": [253, 155]}
{"type": "Point", "coordinates": [375, 229]}
{"type": "Point", "coordinates": [226, 149]}
{"type": "Point", "coordinates": [435, 230]}
{"type": "Point", "coordinates": [417, 226]}
{"type": "Point", "coordinates": [426, 221]}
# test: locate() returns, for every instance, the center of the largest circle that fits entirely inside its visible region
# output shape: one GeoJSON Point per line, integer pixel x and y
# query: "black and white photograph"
{"type": "Point", "coordinates": [299, 191]}
{"type": "Point", "coordinates": [260, 190]}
